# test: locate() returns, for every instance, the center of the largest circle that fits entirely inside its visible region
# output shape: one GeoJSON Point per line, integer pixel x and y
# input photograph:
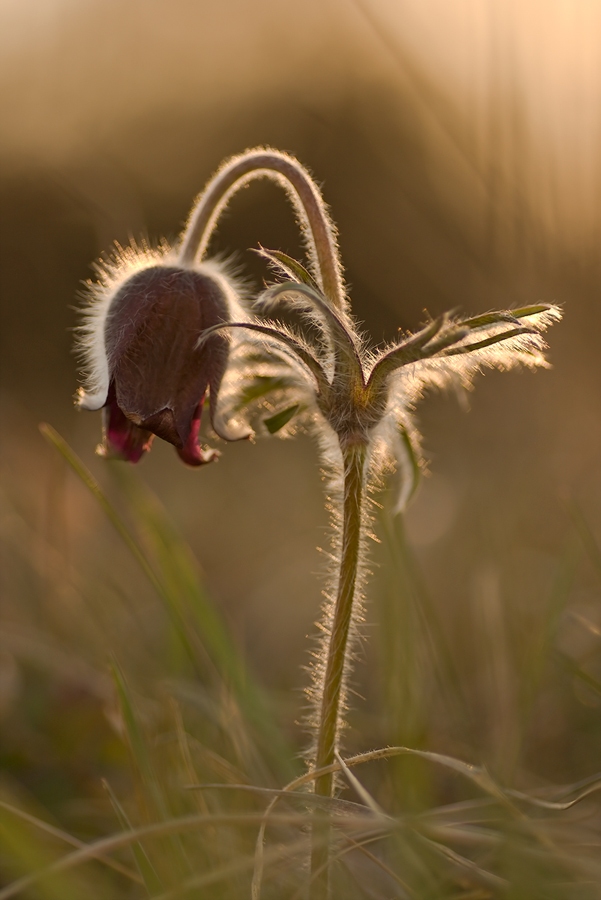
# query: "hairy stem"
{"type": "Point", "coordinates": [318, 229]}
{"type": "Point", "coordinates": [354, 457]}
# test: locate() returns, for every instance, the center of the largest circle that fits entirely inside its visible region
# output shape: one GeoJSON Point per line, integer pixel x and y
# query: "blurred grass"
{"type": "Point", "coordinates": [174, 577]}
{"type": "Point", "coordinates": [187, 719]}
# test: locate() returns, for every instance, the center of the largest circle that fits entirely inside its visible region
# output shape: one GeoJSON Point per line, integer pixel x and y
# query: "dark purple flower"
{"type": "Point", "coordinates": [146, 371]}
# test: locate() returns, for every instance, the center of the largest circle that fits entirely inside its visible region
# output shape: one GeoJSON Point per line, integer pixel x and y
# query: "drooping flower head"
{"type": "Point", "coordinates": [140, 349]}
{"type": "Point", "coordinates": [154, 342]}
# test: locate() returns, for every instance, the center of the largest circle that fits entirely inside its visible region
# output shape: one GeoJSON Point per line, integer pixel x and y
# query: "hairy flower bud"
{"type": "Point", "coordinates": [143, 344]}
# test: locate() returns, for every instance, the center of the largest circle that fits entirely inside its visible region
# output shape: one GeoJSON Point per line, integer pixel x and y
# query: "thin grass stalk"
{"type": "Point", "coordinates": [336, 668]}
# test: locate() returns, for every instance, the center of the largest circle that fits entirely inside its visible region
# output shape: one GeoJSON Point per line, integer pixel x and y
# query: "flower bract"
{"type": "Point", "coordinates": [367, 396]}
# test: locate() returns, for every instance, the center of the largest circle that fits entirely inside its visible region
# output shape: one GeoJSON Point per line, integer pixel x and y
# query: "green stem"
{"type": "Point", "coordinates": [317, 227]}
{"type": "Point", "coordinates": [354, 456]}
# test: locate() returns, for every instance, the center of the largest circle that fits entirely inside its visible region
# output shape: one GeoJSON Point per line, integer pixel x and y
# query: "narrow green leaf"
{"type": "Point", "coordinates": [136, 740]}
{"type": "Point", "coordinates": [585, 677]}
{"type": "Point", "coordinates": [204, 627]}
{"type": "Point", "coordinates": [513, 316]}
{"type": "Point", "coordinates": [120, 526]}
{"type": "Point", "coordinates": [289, 340]}
{"type": "Point", "coordinates": [143, 762]}
{"type": "Point", "coordinates": [492, 318]}
{"type": "Point", "coordinates": [152, 882]}
{"type": "Point", "coordinates": [28, 851]}
{"type": "Point", "coordinates": [488, 342]}
{"type": "Point", "coordinates": [260, 386]}
{"type": "Point", "coordinates": [198, 624]}
{"type": "Point", "coordinates": [59, 834]}
{"type": "Point", "coordinates": [410, 470]}
{"type": "Point", "coordinates": [276, 422]}
{"type": "Point", "coordinates": [586, 535]}
{"type": "Point", "coordinates": [289, 266]}
{"type": "Point", "coordinates": [99, 848]}
{"type": "Point", "coordinates": [408, 350]}
{"type": "Point", "coordinates": [536, 310]}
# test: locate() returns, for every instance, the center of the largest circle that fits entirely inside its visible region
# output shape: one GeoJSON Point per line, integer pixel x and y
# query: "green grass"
{"type": "Point", "coordinates": [143, 753]}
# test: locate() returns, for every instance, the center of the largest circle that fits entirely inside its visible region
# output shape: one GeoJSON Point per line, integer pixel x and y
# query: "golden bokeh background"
{"type": "Point", "coordinates": [459, 148]}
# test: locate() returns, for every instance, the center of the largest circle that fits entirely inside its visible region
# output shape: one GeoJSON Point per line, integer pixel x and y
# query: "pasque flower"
{"type": "Point", "coordinates": [139, 343]}
{"type": "Point", "coordinates": [154, 342]}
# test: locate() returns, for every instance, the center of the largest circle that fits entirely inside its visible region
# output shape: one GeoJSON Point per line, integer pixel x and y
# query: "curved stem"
{"type": "Point", "coordinates": [334, 329]}
{"type": "Point", "coordinates": [278, 336]}
{"type": "Point", "coordinates": [354, 457]}
{"type": "Point", "coordinates": [318, 230]}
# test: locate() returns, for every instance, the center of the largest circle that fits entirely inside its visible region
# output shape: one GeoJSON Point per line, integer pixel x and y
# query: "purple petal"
{"type": "Point", "coordinates": [122, 439]}
{"type": "Point", "coordinates": [192, 453]}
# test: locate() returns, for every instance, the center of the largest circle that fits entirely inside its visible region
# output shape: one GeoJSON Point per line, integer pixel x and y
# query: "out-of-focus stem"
{"type": "Point", "coordinates": [354, 456]}
{"type": "Point", "coordinates": [285, 170]}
